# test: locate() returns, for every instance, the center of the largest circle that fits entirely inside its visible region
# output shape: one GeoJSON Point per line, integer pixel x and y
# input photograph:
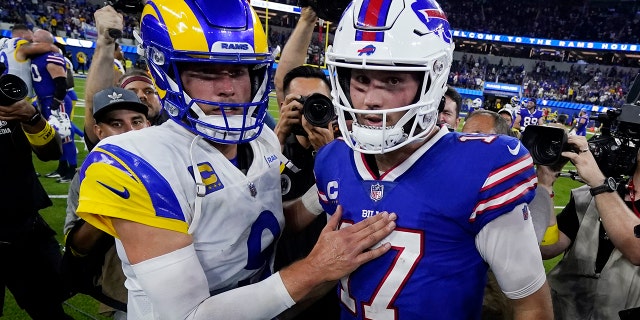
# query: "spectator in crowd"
{"type": "Point", "coordinates": [394, 144]}
{"type": "Point", "coordinates": [598, 274]}
{"type": "Point", "coordinates": [90, 264]}
{"type": "Point", "coordinates": [28, 248]}
{"type": "Point", "coordinates": [449, 115]}
{"type": "Point", "coordinates": [49, 77]}
{"type": "Point", "coordinates": [158, 240]}
{"type": "Point", "coordinates": [300, 141]}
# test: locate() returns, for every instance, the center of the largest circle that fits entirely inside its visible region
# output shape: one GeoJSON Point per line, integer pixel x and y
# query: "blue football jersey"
{"type": "Point", "coordinates": [443, 194]}
{"type": "Point", "coordinates": [527, 117]}
{"type": "Point", "coordinates": [42, 81]}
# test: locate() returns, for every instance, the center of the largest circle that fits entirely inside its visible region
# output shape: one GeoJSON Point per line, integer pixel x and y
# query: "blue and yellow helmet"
{"type": "Point", "coordinates": [516, 101]}
{"type": "Point", "coordinates": [179, 32]}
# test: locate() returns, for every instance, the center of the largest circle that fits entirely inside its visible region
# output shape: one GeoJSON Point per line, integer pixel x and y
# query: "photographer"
{"type": "Point", "coordinates": [299, 139]}
{"type": "Point", "coordinates": [598, 277]}
{"type": "Point", "coordinates": [29, 252]}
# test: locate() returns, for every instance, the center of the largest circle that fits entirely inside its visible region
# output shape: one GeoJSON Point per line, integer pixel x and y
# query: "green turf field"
{"type": "Point", "coordinates": [84, 307]}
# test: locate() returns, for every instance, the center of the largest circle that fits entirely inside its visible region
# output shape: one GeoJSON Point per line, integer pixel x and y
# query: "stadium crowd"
{"type": "Point", "coordinates": [600, 85]}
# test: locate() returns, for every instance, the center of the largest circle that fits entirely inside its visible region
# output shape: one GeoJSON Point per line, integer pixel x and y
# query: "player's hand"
{"type": "Point", "coordinates": [61, 123]}
{"type": "Point", "coordinates": [21, 111]}
{"type": "Point", "coordinates": [318, 136]}
{"type": "Point", "coordinates": [338, 252]}
{"type": "Point", "coordinates": [290, 115]}
{"type": "Point", "coordinates": [107, 18]}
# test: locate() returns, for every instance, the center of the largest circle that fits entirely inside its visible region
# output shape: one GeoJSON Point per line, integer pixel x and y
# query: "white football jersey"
{"type": "Point", "coordinates": [20, 68]}
{"type": "Point", "coordinates": [146, 176]}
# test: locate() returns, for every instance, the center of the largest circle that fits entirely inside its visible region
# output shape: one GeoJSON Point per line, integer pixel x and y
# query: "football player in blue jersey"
{"type": "Point", "coordinates": [580, 127]}
{"type": "Point", "coordinates": [395, 159]}
{"type": "Point", "coordinates": [527, 115]}
{"type": "Point", "coordinates": [195, 203]}
{"type": "Point", "coordinates": [49, 75]}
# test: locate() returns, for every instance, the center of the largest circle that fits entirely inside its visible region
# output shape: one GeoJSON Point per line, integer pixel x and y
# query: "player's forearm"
{"type": "Point", "coordinates": [176, 294]}
{"type": "Point", "coordinates": [302, 279]}
{"type": "Point", "coordinates": [294, 53]}
{"type": "Point", "coordinates": [534, 307]}
{"type": "Point", "coordinates": [618, 221]}
{"type": "Point", "coordinates": [100, 77]}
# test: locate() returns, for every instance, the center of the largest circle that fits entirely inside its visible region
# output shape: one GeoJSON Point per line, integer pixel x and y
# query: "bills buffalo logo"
{"type": "Point", "coordinates": [434, 19]}
{"type": "Point", "coordinates": [377, 192]}
{"type": "Point", "coordinates": [368, 50]}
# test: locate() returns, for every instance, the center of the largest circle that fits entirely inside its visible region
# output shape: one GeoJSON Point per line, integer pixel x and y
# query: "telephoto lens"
{"type": "Point", "coordinates": [12, 89]}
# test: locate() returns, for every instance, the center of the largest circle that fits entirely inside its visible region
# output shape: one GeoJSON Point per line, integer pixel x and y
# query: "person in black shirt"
{"type": "Point", "coordinates": [29, 252]}
{"type": "Point", "coordinates": [300, 140]}
{"type": "Point", "coordinates": [598, 277]}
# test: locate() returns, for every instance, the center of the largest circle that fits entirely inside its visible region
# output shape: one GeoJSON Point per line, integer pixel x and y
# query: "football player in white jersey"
{"type": "Point", "coordinates": [195, 203]}
{"type": "Point", "coordinates": [15, 53]}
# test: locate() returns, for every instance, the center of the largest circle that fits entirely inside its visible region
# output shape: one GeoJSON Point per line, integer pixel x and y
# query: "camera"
{"type": "Point", "coordinates": [545, 144]}
{"type": "Point", "coordinates": [12, 89]}
{"type": "Point", "coordinates": [615, 148]}
{"type": "Point", "coordinates": [318, 110]}
{"type": "Point", "coordinates": [329, 10]}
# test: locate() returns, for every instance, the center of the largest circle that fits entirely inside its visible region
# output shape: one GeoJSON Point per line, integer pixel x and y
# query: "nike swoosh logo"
{"type": "Point", "coordinates": [124, 194]}
{"type": "Point", "coordinates": [515, 150]}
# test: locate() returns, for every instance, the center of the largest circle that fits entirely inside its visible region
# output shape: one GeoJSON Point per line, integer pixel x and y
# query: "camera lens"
{"type": "Point", "coordinates": [545, 144]}
{"type": "Point", "coordinates": [318, 110]}
{"type": "Point", "coordinates": [12, 89]}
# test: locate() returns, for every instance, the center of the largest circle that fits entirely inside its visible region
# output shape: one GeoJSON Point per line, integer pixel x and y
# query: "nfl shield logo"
{"type": "Point", "coordinates": [377, 191]}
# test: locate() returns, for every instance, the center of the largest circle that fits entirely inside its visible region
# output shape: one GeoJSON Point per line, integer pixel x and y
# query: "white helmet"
{"type": "Point", "coordinates": [399, 35]}
{"type": "Point", "coordinates": [477, 103]}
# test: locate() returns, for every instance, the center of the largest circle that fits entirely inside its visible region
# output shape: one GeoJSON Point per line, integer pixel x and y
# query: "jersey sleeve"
{"type": "Point", "coordinates": [17, 44]}
{"type": "Point", "coordinates": [119, 184]}
{"type": "Point", "coordinates": [57, 59]}
{"type": "Point", "coordinates": [510, 183]}
{"type": "Point", "coordinates": [509, 245]}
{"type": "Point", "coordinates": [325, 164]}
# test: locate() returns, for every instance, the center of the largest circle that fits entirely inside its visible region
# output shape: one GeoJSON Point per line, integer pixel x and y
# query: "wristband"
{"type": "Point", "coordinates": [34, 120]}
{"type": "Point", "coordinates": [43, 137]}
{"type": "Point", "coordinates": [551, 236]}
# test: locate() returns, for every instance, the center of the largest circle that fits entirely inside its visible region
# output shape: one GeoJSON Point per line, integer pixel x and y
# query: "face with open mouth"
{"type": "Point", "coordinates": [376, 91]}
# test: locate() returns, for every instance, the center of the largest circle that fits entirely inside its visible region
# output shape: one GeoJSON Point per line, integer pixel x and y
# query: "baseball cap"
{"type": "Point", "coordinates": [116, 98]}
{"type": "Point", "coordinates": [506, 110]}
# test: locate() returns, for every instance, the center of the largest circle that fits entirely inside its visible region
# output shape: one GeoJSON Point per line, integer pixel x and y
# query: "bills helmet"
{"type": "Point", "coordinates": [179, 32]}
{"type": "Point", "coordinates": [400, 35]}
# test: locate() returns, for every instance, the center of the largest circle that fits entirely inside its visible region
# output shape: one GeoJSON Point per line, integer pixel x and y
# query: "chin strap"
{"type": "Point", "coordinates": [201, 189]}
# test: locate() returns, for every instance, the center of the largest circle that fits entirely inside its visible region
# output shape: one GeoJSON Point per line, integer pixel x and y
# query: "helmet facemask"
{"type": "Point", "coordinates": [408, 36]}
{"type": "Point", "coordinates": [200, 33]}
{"type": "Point", "coordinates": [414, 125]}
